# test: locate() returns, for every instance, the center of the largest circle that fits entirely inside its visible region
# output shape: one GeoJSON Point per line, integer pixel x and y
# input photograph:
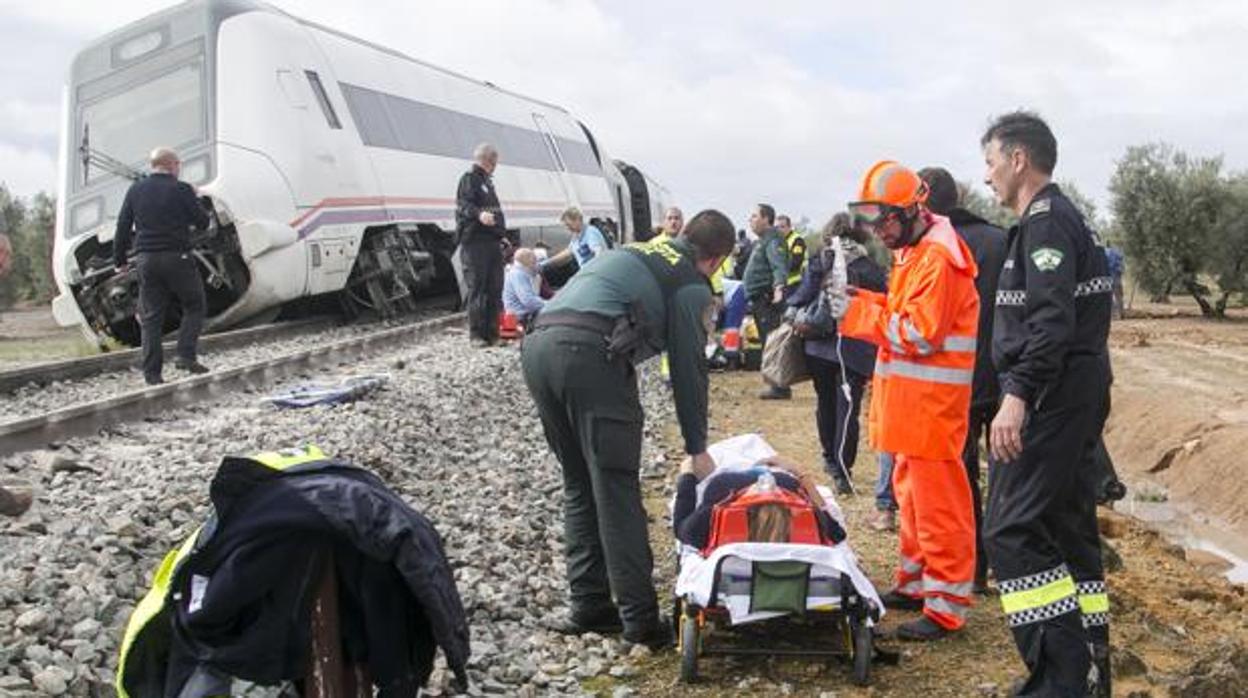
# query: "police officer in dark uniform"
{"type": "Point", "coordinates": [987, 243]}
{"type": "Point", "coordinates": [1049, 346]}
{"type": "Point", "coordinates": [481, 226]}
{"type": "Point", "coordinates": [163, 211]}
{"type": "Point", "coordinates": [630, 304]}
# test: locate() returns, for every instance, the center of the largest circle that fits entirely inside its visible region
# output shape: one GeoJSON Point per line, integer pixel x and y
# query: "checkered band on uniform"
{"type": "Point", "coordinates": [1039, 597]}
{"type": "Point", "coordinates": [1093, 602]}
{"type": "Point", "coordinates": [1011, 298]}
{"type": "Point", "coordinates": [1097, 284]}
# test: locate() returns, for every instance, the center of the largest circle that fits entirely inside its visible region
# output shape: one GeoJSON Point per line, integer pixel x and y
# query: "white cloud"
{"type": "Point", "coordinates": [736, 101]}
{"type": "Point", "coordinates": [27, 171]}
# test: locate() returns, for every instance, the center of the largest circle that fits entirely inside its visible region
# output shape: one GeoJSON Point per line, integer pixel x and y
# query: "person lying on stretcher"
{"type": "Point", "coordinates": [769, 523]}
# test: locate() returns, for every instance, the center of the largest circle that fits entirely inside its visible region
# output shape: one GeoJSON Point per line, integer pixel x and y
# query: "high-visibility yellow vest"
{"type": "Point", "coordinates": [795, 244]}
{"type": "Point", "coordinates": [154, 603]}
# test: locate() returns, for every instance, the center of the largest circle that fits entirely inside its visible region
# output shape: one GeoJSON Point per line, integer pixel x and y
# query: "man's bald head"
{"type": "Point", "coordinates": [165, 160]}
{"type": "Point", "coordinates": [526, 257]}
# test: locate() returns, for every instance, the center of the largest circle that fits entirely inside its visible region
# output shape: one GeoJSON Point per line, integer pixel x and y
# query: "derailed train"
{"type": "Point", "coordinates": [328, 164]}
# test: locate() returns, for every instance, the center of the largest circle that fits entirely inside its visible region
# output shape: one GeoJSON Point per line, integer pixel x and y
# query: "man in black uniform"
{"type": "Point", "coordinates": [630, 304]}
{"type": "Point", "coordinates": [164, 211]}
{"type": "Point", "coordinates": [1049, 346]}
{"type": "Point", "coordinates": [481, 226]}
{"type": "Point", "coordinates": [987, 243]}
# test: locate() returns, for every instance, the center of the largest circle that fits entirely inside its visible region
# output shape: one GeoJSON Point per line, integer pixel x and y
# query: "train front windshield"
{"type": "Point", "coordinates": [165, 110]}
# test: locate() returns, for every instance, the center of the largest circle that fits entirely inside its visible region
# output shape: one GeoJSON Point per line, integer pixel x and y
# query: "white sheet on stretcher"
{"type": "Point", "coordinates": [697, 573]}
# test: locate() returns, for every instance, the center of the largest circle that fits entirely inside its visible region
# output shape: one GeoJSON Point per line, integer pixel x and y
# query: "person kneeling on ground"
{"type": "Point", "coordinates": [692, 521]}
{"type": "Point", "coordinates": [520, 289]}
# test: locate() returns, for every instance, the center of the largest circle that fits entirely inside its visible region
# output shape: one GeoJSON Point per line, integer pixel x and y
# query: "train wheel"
{"type": "Point", "coordinates": [689, 642]}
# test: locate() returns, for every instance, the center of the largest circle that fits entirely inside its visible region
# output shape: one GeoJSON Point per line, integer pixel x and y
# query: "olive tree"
{"type": "Point", "coordinates": [29, 226]}
{"type": "Point", "coordinates": [1167, 206]}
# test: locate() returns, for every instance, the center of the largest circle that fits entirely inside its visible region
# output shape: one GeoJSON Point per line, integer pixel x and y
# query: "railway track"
{"type": "Point", "coordinates": [87, 418]}
{"type": "Point", "coordinates": [86, 367]}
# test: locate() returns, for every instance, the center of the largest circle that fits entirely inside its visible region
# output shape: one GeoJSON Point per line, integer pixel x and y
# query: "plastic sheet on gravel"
{"type": "Point", "coordinates": [454, 432]}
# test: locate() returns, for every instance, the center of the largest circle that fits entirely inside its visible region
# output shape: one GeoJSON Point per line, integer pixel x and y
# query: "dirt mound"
{"type": "Point", "coordinates": [1180, 412]}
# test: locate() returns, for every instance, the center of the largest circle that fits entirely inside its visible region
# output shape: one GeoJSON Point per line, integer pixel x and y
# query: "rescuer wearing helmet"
{"type": "Point", "coordinates": [1049, 345]}
{"type": "Point", "coordinates": [578, 359]}
{"type": "Point", "coordinates": [921, 391]}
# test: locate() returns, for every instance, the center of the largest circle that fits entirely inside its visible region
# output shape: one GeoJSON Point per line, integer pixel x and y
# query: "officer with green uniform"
{"type": "Point", "coordinates": [631, 304]}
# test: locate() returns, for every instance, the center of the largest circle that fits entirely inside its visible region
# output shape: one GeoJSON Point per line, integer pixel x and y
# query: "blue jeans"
{"type": "Point", "coordinates": [884, 499]}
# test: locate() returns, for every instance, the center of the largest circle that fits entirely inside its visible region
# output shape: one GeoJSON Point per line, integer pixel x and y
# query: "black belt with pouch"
{"type": "Point", "coordinates": [623, 336]}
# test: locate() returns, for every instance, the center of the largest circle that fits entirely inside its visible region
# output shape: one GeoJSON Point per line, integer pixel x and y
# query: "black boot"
{"type": "Point", "coordinates": [657, 636]}
{"type": "Point", "coordinates": [900, 602]}
{"type": "Point", "coordinates": [922, 630]}
{"type": "Point", "coordinates": [604, 621]}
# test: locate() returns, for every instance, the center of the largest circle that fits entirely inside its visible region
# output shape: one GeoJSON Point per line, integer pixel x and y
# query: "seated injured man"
{"type": "Point", "coordinates": [769, 523]}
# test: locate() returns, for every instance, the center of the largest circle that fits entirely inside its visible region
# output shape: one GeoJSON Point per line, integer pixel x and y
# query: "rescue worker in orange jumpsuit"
{"type": "Point", "coordinates": [925, 329]}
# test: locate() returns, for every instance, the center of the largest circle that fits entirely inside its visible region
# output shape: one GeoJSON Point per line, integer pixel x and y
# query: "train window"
{"type": "Point", "coordinates": [391, 121]}
{"type": "Point", "coordinates": [327, 107]}
{"type": "Point", "coordinates": [368, 108]}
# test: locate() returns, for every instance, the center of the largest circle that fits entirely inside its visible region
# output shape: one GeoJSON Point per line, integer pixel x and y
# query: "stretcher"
{"type": "Point", "coordinates": [746, 598]}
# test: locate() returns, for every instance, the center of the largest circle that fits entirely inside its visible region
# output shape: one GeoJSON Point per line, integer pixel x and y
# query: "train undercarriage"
{"type": "Point", "coordinates": [109, 299]}
{"type": "Point", "coordinates": [394, 266]}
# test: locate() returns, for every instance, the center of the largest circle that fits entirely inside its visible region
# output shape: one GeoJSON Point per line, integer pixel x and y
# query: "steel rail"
{"type": "Point", "coordinates": [84, 367]}
{"type": "Point", "coordinates": [89, 418]}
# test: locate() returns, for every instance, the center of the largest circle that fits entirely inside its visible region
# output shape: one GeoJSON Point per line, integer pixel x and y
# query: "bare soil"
{"type": "Point", "coordinates": [1179, 628]}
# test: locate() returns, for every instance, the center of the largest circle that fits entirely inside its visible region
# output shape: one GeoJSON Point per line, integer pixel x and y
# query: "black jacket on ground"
{"type": "Point", "coordinates": [241, 601]}
{"type": "Point", "coordinates": [692, 521]}
{"type": "Point", "coordinates": [987, 243]}
{"type": "Point", "coordinates": [1053, 300]}
{"type": "Point", "coordinates": [163, 210]}
{"type": "Point", "coordinates": [474, 195]}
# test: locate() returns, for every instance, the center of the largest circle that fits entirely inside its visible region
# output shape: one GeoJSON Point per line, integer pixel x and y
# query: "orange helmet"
{"type": "Point", "coordinates": [888, 187]}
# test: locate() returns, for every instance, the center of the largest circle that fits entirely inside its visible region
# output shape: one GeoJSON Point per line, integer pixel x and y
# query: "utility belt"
{"type": "Point", "coordinates": [623, 337]}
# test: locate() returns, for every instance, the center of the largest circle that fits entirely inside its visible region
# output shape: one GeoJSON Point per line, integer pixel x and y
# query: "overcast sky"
{"type": "Point", "coordinates": [731, 102]}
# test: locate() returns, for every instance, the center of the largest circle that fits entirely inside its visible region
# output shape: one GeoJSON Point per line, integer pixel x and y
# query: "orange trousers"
{"type": "Point", "coordinates": [937, 537]}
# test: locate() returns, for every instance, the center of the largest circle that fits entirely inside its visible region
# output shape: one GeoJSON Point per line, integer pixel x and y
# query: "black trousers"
{"type": "Point", "coordinates": [482, 262]}
{"type": "Point", "coordinates": [165, 277]}
{"type": "Point", "coordinates": [836, 415]}
{"type": "Point", "coordinates": [592, 418]}
{"type": "Point", "coordinates": [977, 433]}
{"type": "Point", "coordinates": [767, 316]}
{"type": "Point", "coordinates": [1041, 534]}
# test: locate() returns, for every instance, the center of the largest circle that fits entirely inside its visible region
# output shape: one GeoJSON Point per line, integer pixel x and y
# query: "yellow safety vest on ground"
{"type": "Point", "coordinates": [154, 603]}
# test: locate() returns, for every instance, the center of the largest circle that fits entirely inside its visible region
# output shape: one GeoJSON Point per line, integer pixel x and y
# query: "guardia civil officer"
{"type": "Point", "coordinates": [630, 304]}
{"type": "Point", "coordinates": [159, 214]}
{"type": "Point", "coordinates": [1049, 346]}
{"type": "Point", "coordinates": [481, 226]}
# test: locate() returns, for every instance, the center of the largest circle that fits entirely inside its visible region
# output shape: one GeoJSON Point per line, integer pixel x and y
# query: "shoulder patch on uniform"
{"type": "Point", "coordinates": [1047, 258]}
{"type": "Point", "coordinates": [1039, 207]}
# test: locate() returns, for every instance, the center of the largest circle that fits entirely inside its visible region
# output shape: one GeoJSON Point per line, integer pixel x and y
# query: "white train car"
{"type": "Point", "coordinates": [329, 163]}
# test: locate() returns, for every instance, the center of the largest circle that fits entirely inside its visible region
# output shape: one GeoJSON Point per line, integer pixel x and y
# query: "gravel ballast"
{"type": "Point", "coordinates": [454, 432]}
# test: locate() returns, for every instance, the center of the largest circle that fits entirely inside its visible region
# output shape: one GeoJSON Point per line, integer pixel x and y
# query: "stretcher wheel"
{"type": "Point", "coordinates": [688, 648]}
{"type": "Point", "coordinates": [861, 633]}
